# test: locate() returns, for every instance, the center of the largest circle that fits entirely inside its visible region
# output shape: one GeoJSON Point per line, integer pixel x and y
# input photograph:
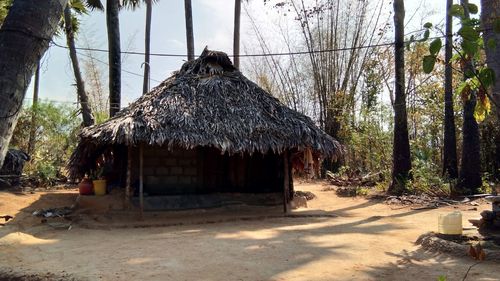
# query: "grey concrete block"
{"type": "Point", "coordinates": [176, 170]}
{"type": "Point", "coordinates": [190, 171]}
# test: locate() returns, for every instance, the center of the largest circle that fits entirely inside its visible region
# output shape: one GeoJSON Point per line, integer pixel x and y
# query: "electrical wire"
{"type": "Point", "coordinates": [256, 55]}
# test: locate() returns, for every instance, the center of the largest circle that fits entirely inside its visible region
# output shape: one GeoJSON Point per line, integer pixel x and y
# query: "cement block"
{"type": "Point", "coordinates": [169, 180]}
{"type": "Point", "coordinates": [169, 161]}
{"type": "Point", "coordinates": [185, 162]}
{"type": "Point", "coordinates": [152, 180]}
{"type": "Point", "coordinates": [161, 170]}
{"type": "Point", "coordinates": [152, 161]}
{"type": "Point", "coordinates": [190, 171]}
{"type": "Point", "coordinates": [189, 153]}
{"type": "Point", "coordinates": [149, 170]}
{"type": "Point", "coordinates": [176, 170]}
{"type": "Point", "coordinates": [184, 180]}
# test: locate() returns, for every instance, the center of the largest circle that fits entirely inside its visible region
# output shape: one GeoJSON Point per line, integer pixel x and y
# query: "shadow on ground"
{"type": "Point", "coordinates": [216, 245]}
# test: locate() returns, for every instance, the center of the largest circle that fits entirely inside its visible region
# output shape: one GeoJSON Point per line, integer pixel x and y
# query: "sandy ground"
{"type": "Point", "coordinates": [350, 239]}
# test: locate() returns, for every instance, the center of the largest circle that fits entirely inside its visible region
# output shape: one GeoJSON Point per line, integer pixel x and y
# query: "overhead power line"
{"type": "Point", "coordinates": [254, 55]}
{"type": "Point", "coordinates": [123, 70]}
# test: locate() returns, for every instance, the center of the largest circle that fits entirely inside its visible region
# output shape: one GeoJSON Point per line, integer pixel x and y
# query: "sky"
{"type": "Point", "coordinates": [213, 27]}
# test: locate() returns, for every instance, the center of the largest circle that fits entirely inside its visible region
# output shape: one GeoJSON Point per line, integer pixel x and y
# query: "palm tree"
{"type": "Point", "coordinates": [114, 50]}
{"type": "Point", "coordinates": [147, 39]}
{"type": "Point", "coordinates": [236, 33]}
{"type": "Point", "coordinates": [20, 52]}
{"type": "Point", "coordinates": [114, 55]}
{"type": "Point", "coordinates": [189, 29]}
{"type": "Point", "coordinates": [34, 106]}
{"type": "Point", "coordinates": [401, 161]}
{"type": "Point", "coordinates": [489, 10]}
{"type": "Point", "coordinates": [470, 170]}
{"type": "Point", "coordinates": [450, 140]}
{"type": "Point", "coordinates": [70, 27]}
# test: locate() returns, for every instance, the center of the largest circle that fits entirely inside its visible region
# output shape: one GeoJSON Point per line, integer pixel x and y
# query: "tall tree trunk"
{"type": "Point", "coordinates": [149, 10]}
{"type": "Point", "coordinates": [236, 33]}
{"type": "Point", "coordinates": [490, 11]}
{"type": "Point", "coordinates": [450, 168]}
{"type": "Point", "coordinates": [470, 170]}
{"type": "Point", "coordinates": [114, 55]}
{"type": "Point", "coordinates": [24, 37]}
{"type": "Point", "coordinates": [401, 162]}
{"type": "Point", "coordinates": [34, 109]}
{"type": "Point", "coordinates": [88, 119]}
{"type": "Point", "coordinates": [189, 29]}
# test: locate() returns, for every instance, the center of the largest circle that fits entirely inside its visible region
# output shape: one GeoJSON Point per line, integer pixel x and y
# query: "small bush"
{"type": "Point", "coordinates": [55, 138]}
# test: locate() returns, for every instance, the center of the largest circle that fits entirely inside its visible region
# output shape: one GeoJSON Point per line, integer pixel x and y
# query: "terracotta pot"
{"type": "Point", "coordinates": [85, 187]}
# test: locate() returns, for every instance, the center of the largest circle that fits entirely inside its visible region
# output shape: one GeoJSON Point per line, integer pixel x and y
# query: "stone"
{"type": "Point", "coordinates": [299, 202]}
{"type": "Point", "coordinates": [149, 170]}
{"type": "Point", "coordinates": [176, 170]}
{"type": "Point", "coordinates": [184, 180]}
{"type": "Point", "coordinates": [191, 171]}
{"type": "Point", "coordinates": [493, 199]}
{"type": "Point", "coordinates": [152, 161]}
{"type": "Point", "coordinates": [170, 161]}
{"type": "Point", "coordinates": [488, 215]}
{"type": "Point", "coordinates": [162, 170]}
{"type": "Point", "coordinates": [184, 162]}
{"type": "Point", "coordinates": [152, 180]}
{"type": "Point", "coordinates": [170, 180]}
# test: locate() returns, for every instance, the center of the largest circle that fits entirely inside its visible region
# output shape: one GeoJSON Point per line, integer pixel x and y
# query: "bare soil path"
{"type": "Point", "coordinates": [353, 239]}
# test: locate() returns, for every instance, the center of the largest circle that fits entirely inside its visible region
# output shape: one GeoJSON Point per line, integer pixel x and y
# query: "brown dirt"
{"type": "Point", "coordinates": [334, 239]}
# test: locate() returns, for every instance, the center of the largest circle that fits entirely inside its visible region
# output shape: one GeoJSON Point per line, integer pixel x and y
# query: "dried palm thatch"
{"type": "Point", "coordinates": [206, 103]}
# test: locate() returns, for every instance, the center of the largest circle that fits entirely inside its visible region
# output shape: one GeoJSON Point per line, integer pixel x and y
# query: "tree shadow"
{"type": "Point", "coordinates": [258, 247]}
{"type": "Point", "coordinates": [425, 265]}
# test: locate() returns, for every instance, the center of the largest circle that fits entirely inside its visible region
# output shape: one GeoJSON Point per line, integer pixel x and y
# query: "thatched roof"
{"type": "Point", "coordinates": [207, 103]}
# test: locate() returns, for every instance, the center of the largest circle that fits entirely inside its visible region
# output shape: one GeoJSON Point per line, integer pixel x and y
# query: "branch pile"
{"type": "Point", "coordinates": [354, 179]}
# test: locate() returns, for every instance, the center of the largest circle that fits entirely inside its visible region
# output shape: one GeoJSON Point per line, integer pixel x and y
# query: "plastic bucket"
{"type": "Point", "coordinates": [99, 187]}
{"type": "Point", "coordinates": [450, 223]}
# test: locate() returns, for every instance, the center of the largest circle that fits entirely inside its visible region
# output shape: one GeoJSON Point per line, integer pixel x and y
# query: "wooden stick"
{"type": "Point", "coordinates": [128, 187]}
{"type": "Point", "coordinates": [286, 182]}
{"type": "Point", "coordinates": [141, 179]}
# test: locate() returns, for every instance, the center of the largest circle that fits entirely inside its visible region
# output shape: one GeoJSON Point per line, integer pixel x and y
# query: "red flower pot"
{"type": "Point", "coordinates": [85, 187]}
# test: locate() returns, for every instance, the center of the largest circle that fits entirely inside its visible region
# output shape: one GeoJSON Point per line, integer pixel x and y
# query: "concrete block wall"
{"type": "Point", "coordinates": [170, 172]}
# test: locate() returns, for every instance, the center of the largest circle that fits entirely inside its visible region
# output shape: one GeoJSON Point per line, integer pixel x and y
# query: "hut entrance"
{"type": "Point", "coordinates": [203, 177]}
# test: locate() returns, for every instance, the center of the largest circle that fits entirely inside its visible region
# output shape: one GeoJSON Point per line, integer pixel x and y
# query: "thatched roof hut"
{"type": "Point", "coordinates": [207, 104]}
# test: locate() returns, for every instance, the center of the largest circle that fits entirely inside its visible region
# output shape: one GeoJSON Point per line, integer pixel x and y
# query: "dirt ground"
{"type": "Point", "coordinates": [333, 239]}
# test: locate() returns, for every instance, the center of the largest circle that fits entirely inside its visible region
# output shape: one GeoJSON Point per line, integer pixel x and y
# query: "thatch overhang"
{"type": "Point", "coordinates": [206, 103]}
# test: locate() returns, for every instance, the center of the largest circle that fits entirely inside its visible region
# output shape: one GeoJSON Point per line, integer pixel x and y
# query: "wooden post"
{"type": "Point", "coordinates": [141, 179]}
{"type": "Point", "coordinates": [286, 181]}
{"type": "Point", "coordinates": [128, 187]}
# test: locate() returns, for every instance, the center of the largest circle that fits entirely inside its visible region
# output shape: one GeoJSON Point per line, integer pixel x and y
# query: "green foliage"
{"type": "Point", "coordinates": [427, 179]}
{"type": "Point", "coordinates": [4, 9]}
{"type": "Point", "coordinates": [479, 78]}
{"type": "Point", "coordinates": [473, 8]}
{"type": "Point", "coordinates": [56, 136]}
{"type": "Point", "coordinates": [442, 278]}
{"type": "Point", "coordinates": [435, 46]}
{"type": "Point", "coordinates": [370, 143]}
{"type": "Point", "coordinates": [428, 63]}
{"type": "Point", "coordinates": [468, 33]}
{"type": "Point", "coordinates": [457, 11]}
